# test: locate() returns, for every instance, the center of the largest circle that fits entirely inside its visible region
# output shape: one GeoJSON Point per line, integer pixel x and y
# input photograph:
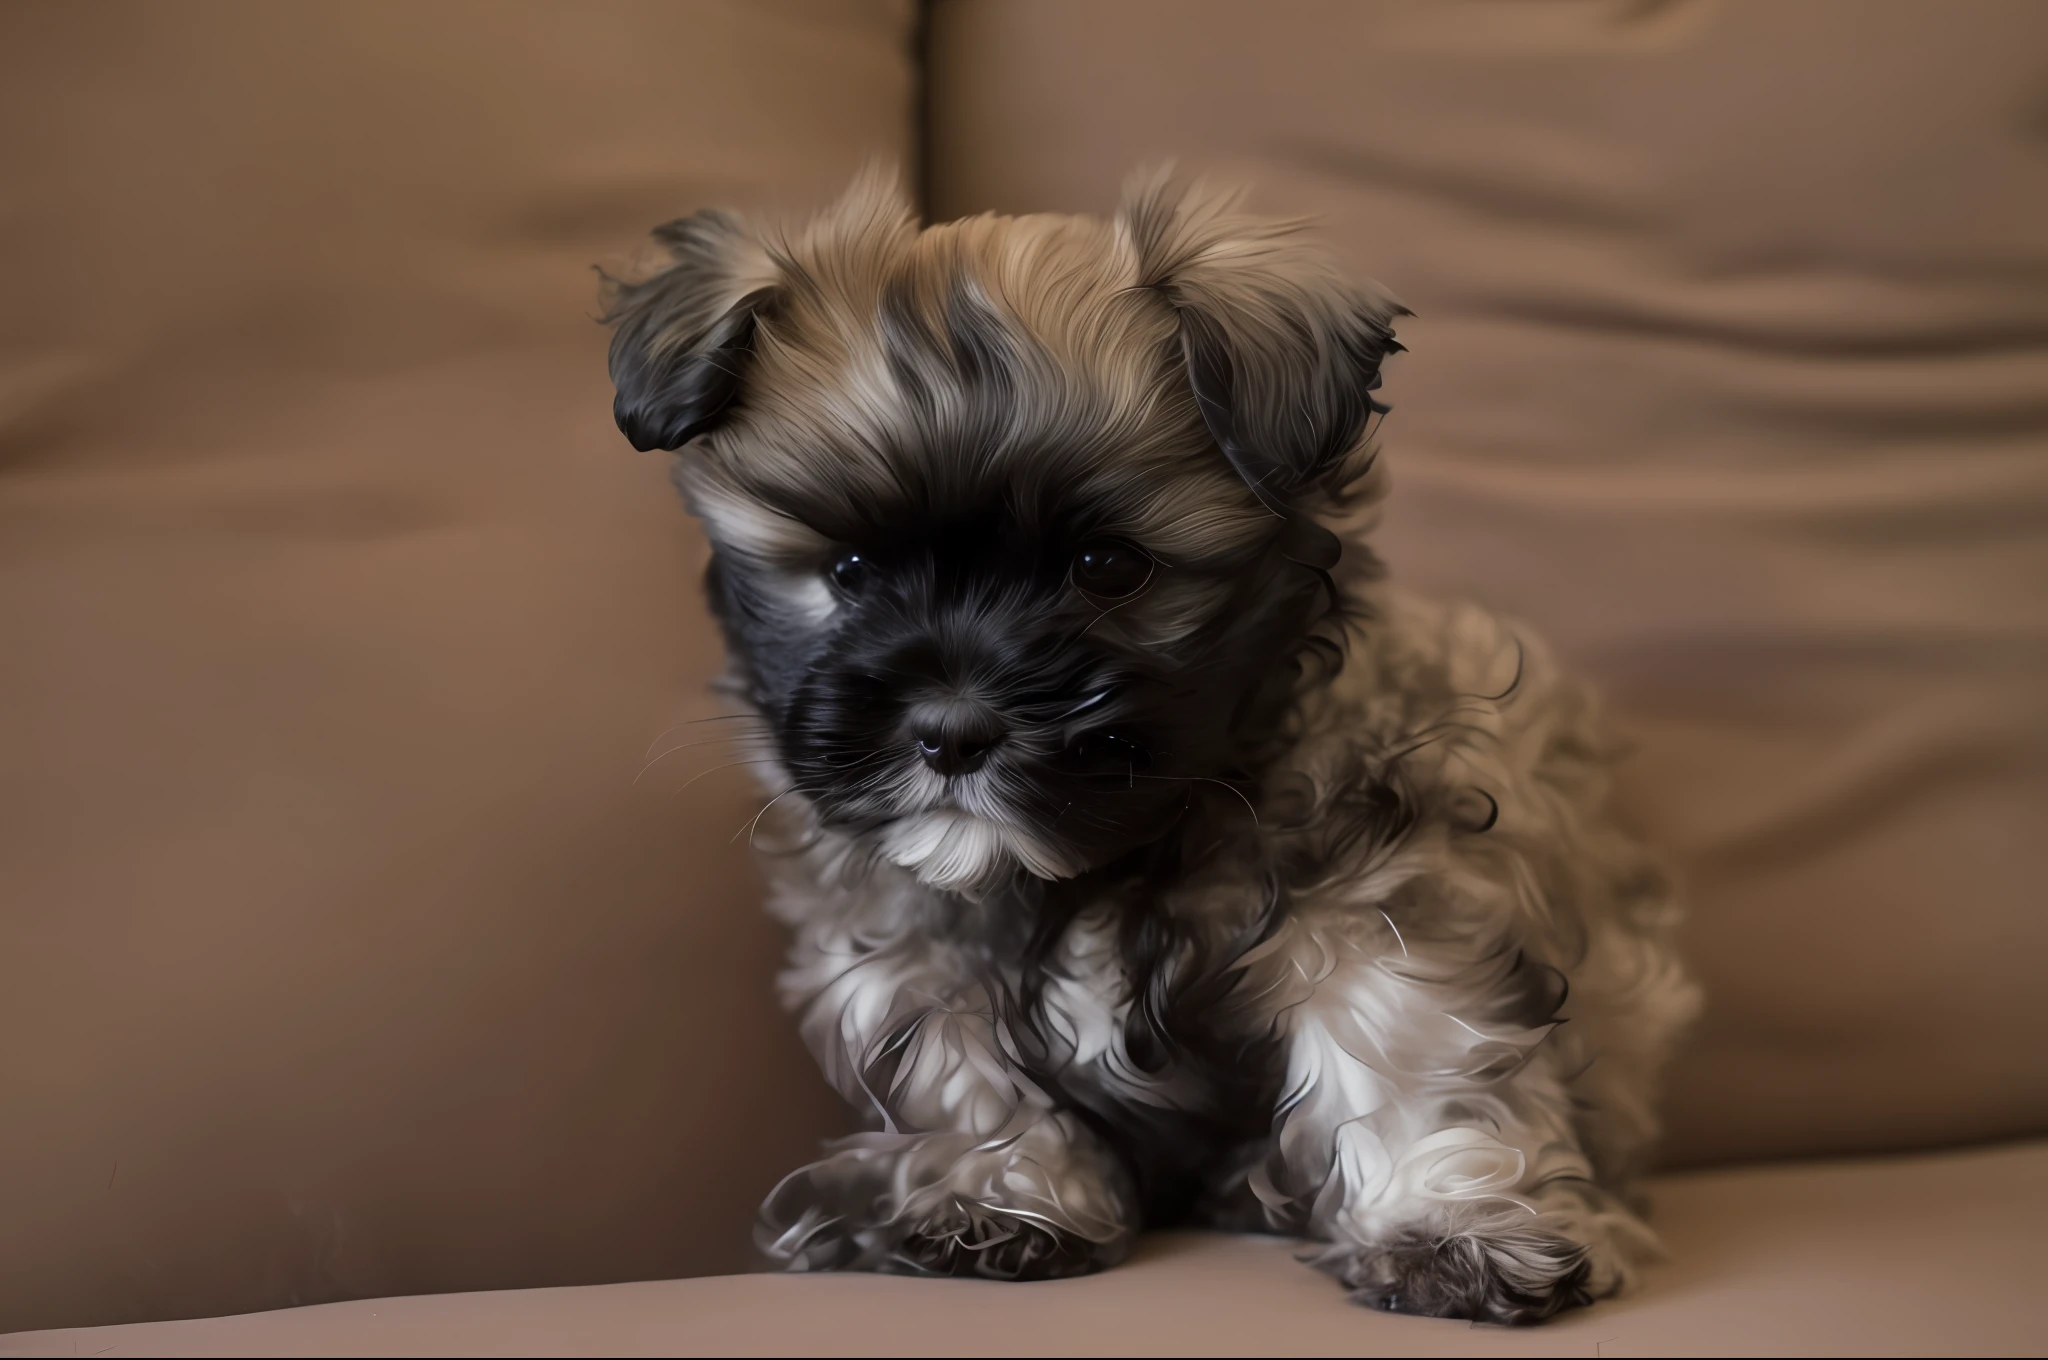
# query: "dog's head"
{"type": "Point", "coordinates": [1015, 520]}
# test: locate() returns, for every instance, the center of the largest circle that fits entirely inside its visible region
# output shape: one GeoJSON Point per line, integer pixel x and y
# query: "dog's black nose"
{"type": "Point", "coordinates": [957, 742]}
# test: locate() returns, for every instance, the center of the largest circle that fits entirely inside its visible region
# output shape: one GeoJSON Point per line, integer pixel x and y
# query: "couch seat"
{"type": "Point", "coordinates": [1929, 1255]}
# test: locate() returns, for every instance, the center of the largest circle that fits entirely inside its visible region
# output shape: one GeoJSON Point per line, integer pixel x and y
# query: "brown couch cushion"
{"type": "Point", "coordinates": [339, 951]}
{"type": "Point", "coordinates": [1730, 373]}
{"type": "Point", "coordinates": [1919, 1256]}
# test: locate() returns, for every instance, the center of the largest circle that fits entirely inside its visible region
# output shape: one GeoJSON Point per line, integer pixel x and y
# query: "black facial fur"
{"type": "Point", "coordinates": [1101, 746]}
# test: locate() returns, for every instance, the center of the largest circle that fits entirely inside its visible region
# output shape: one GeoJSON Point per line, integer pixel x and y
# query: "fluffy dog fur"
{"type": "Point", "coordinates": [1148, 860]}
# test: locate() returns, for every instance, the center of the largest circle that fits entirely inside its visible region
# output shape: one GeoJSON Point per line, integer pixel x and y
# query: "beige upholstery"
{"type": "Point", "coordinates": [1922, 1256]}
{"type": "Point", "coordinates": [341, 953]}
{"type": "Point", "coordinates": [1730, 373]}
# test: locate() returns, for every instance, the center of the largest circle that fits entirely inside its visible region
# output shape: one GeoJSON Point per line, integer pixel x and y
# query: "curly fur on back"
{"type": "Point", "coordinates": [1257, 893]}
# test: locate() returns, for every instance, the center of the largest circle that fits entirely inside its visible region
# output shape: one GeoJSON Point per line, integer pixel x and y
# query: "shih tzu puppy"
{"type": "Point", "coordinates": [1148, 860]}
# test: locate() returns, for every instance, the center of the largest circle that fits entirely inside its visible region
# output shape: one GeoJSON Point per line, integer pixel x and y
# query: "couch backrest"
{"type": "Point", "coordinates": [1730, 373]}
{"type": "Point", "coordinates": [340, 951]}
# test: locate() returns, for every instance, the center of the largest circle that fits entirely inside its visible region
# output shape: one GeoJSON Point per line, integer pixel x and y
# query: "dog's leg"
{"type": "Point", "coordinates": [972, 1170]}
{"type": "Point", "coordinates": [1427, 1135]}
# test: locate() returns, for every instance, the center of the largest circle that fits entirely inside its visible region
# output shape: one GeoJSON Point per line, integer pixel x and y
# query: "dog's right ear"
{"type": "Point", "coordinates": [684, 335]}
{"type": "Point", "coordinates": [1282, 351]}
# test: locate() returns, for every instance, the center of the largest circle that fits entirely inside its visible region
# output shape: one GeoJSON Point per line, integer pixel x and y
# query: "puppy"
{"type": "Point", "coordinates": [1148, 860]}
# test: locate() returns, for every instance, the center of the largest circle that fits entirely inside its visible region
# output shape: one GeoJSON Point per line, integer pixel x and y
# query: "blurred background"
{"type": "Point", "coordinates": [341, 953]}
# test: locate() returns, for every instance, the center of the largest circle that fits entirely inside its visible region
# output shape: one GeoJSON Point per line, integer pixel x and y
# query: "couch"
{"type": "Point", "coordinates": [370, 927]}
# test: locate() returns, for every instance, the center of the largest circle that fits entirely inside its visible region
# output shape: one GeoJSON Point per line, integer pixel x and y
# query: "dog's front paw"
{"type": "Point", "coordinates": [974, 1239]}
{"type": "Point", "coordinates": [1042, 1203]}
{"type": "Point", "coordinates": [1512, 1276]}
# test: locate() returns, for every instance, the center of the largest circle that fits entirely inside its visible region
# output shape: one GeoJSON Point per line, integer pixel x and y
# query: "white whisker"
{"type": "Point", "coordinates": [692, 722]}
{"type": "Point", "coordinates": [690, 745]}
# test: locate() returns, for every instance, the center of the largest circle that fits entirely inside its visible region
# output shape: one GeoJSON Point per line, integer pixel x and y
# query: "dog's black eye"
{"type": "Point", "coordinates": [851, 573]}
{"type": "Point", "coordinates": [1110, 570]}
{"type": "Point", "coordinates": [1108, 749]}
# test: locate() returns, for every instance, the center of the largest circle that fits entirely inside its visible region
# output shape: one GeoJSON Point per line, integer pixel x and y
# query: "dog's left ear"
{"type": "Point", "coordinates": [1283, 351]}
{"type": "Point", "coordinates": [683, 336]}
